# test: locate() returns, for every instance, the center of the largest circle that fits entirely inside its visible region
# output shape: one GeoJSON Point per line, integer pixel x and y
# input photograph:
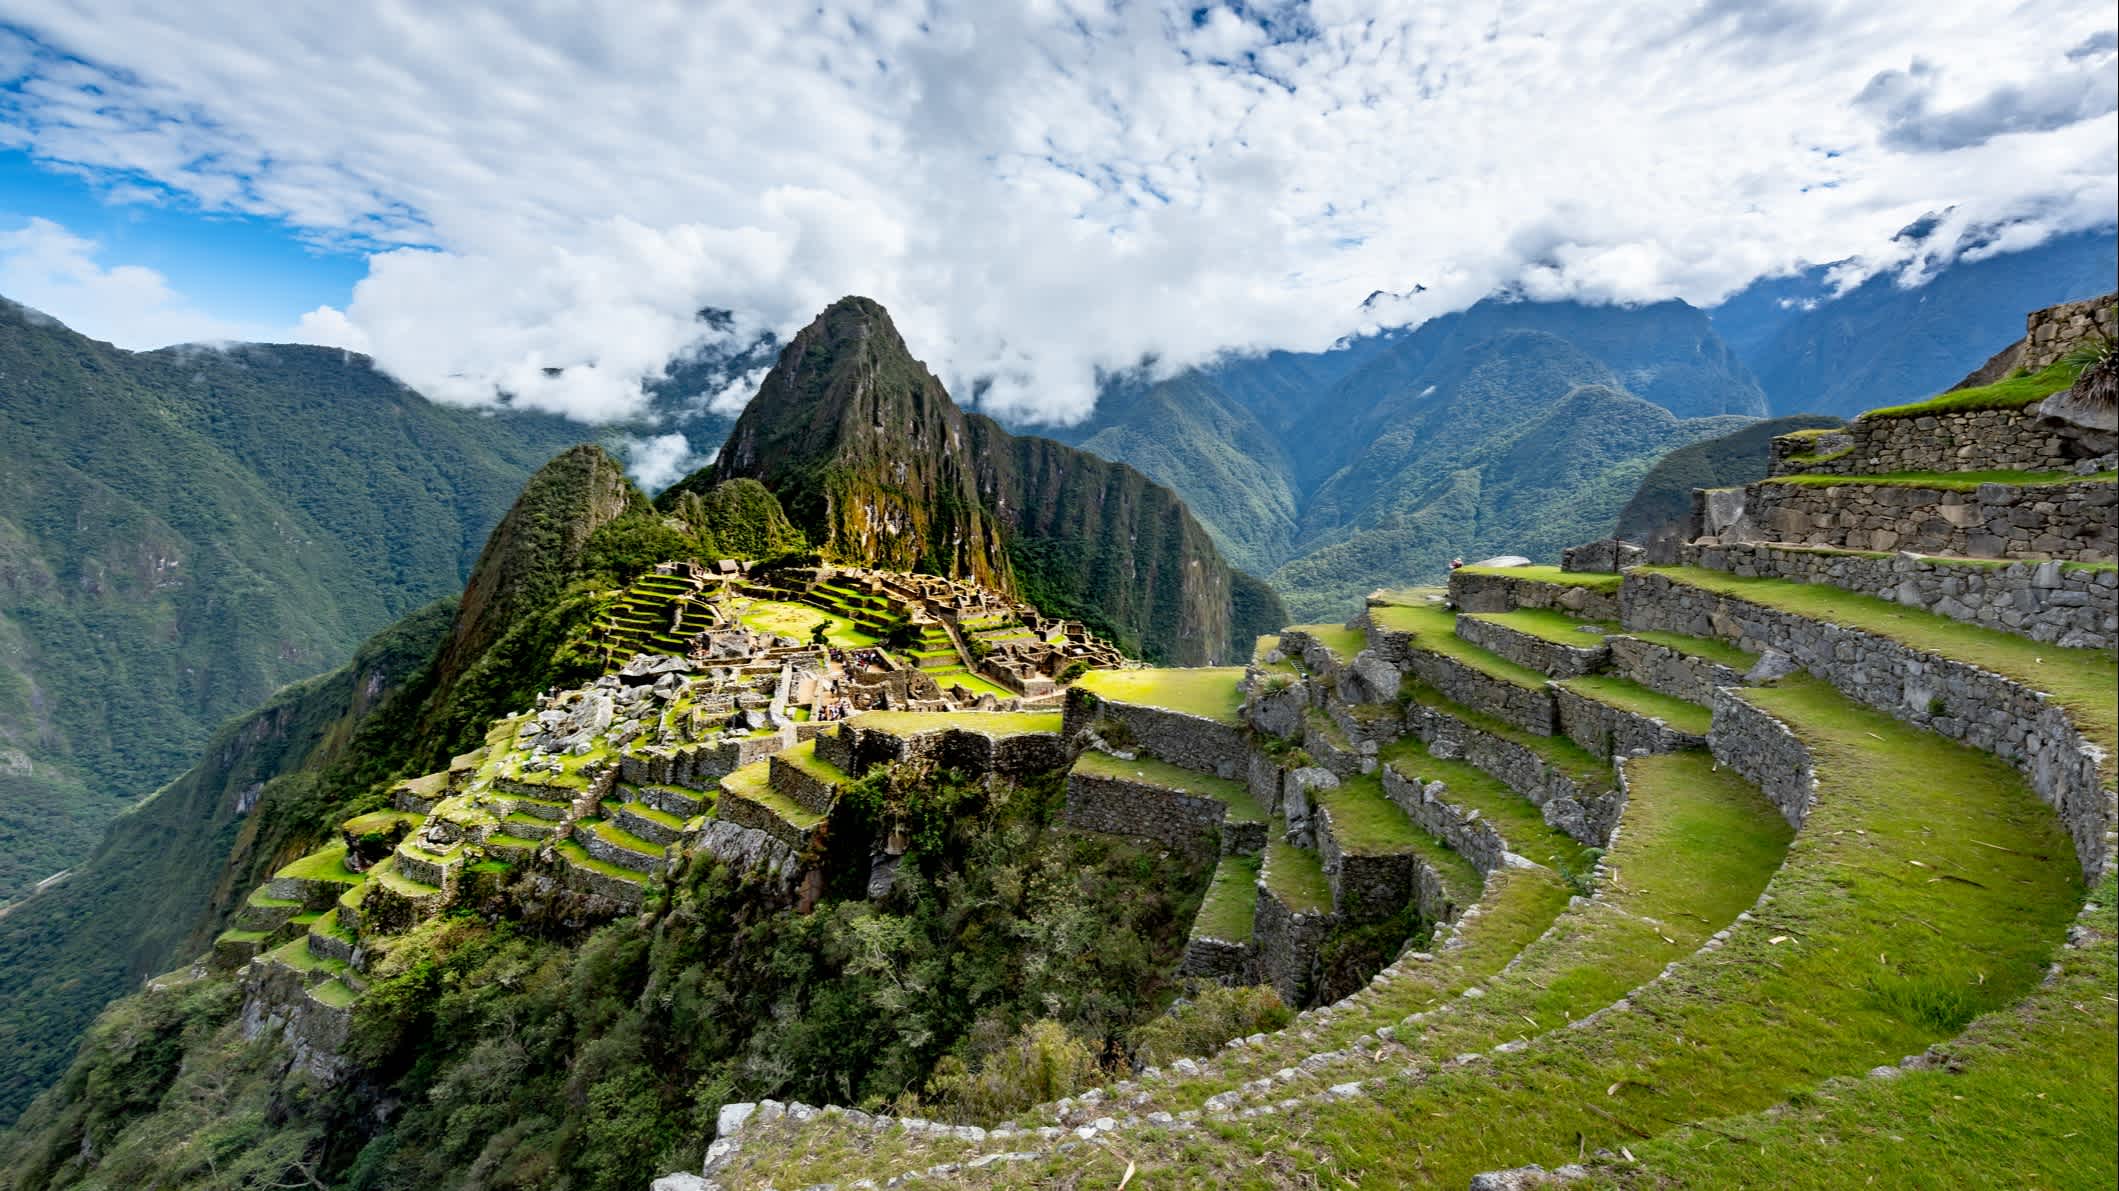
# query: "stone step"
{"type": "Point", "coordinates": [527, 827]}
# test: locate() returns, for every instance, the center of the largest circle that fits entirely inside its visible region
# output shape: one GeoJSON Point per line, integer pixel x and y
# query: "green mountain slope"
{"type": "Point", "coordinates": [875, 463]}
{"type": "Point", "coordinates": [170, 871]}
{"type": "Point", "coordinates": [184, 531]}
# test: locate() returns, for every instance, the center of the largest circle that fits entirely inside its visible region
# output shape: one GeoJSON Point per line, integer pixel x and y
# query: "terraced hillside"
{"type": "Point", "coordinates": [1791, 862]}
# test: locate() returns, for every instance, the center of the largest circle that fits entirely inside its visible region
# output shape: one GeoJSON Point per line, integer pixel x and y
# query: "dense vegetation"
{"type": "Point", "coordinates": [525, 1052]}
{"type": "Point", "coordinates": [274, 782]}
{"type": "Point", "coordinates": [184, 531]}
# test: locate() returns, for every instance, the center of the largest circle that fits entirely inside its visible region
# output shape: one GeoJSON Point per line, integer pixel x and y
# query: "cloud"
{"type": "Point", "coordinates": [660, 460]}
{"type": "Point", "coordinates": [1048, 192]}
{"type": "Point", "coordinates": [47, 267]}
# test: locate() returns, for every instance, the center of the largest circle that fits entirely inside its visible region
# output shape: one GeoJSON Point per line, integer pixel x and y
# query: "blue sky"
{"type": "Point", "coordinates": [545, 196]}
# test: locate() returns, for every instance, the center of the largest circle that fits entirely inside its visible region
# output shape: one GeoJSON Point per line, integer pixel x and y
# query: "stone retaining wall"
{"type": "Point", "coordinates": [1528, 708]}
{"type": "Point", "coordinates": [1366, 888]}
{"type": "Point", "coordinates": [1428, 806]}
{"type": "Point", "coordinates": [801, 787]}
{"type": "Point", "coordinates": [745, 813]}
{"type": "Point", "coordinates": [1766, 752]}
{"type": "Point", "coordinates": [1186, 741]}
{"type": "Point", "coordinates": [1287, 945]}
{"type": "Point", "coordinates": [1586, 815]}
{"type": "Point", "coordinates": [1955, 699]}
{"type": "Point", "coordinates": [698, 766]}
{"type": "Point", "coordinates": [276, 1001]}
{"type": "Point", "coordinates": [2069, 521]}
{"type": "Point", "coordinates": [1547, 657]}
{"type": "Point", "coordinates": [2072, 607]}
{"type": "Point", "coordinates": [330, 946]}
{"type": "Point", "coordinates": [855, 750]}
{"type": "Point", "coordinates": [1665, 670]}
{"type": "Point", "coordinates": [1218, 960]}
{"type": "Point", "coordinates": [1505, 593]}
{"type": "Point", "coordinates": [1611, 731]}
{"type": "Point", "coordinates": [2051, 333]}
{"type": "Point", "coordinates": [1273, 704]}
{"type": "Point", "coordinates": [680, 803]}
{"type": "Point", "coordinates": [1954, 440]}
{"type": "Point", "coordinates": [651, 830]}
{"type": "Point", "coordinates": [1327, 743]}
{"type": "Point", "coordinates": [1182, 822]}
{"type": "Point", "coordinates": [610, 853]}
{"type": "Point", "coordinates": [623, 894]}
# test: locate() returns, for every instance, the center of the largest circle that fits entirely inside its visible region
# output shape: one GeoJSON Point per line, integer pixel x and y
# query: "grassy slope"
{"type": "Point", "coordinates": [1210, 692]}
{"type": "Point", "coordinates": [2012, 392]}
{"type": "Point", "coordinates": [1888, 928]}
{"type": "Point", "coordinates": [1948, 481]}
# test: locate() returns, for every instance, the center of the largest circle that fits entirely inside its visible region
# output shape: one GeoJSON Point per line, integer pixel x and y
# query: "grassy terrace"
{"type": "Point", "coordinates": [2024, 1090]}
{"type": "Point", "coordinates": [1929, 887]}
{"type": "Point", "coordinates": [1705, 648]}
{"type": "Point", "coordinates": [619, 837]}
{"type": "Point", "coordinates": [753, 783]}
{"type": "Point", "coordinates": [656, 815]}
{"type": "Point", "coordinates": [1548, 625]}
{"type": "Point", "coordinates": [1148, 771]}
{"type": "Point", "coordinates": [335, 993]}
{"type": "Point", "coordinates": [1522, 825]}
{"type": "Point", "coordinates": [1578, 763]}
{"type": "Point", "coordinates": [1599, 580]}
{"type": "Point", "coordinates": [1628, 695]}
{"type": "Point", "coordinates": [996, 724]}
{"type": "Point", "coordinates": [1948, 560]}
{"type": "Point", "coordinates": [804, 757]}
{"type": "Point", "coordinates": [2012, 392]}
{"type": "Point", "coordinates": [385, 874]}
{"type": "Point", "coordinates": [578, 856]}
{"type": "Point", "coordinates": [1231, 903]}
{"type": "Point", "coordinates": [265, 901]}
{"type": "Point", "coordinates": [1295, 875]}
{"type": "Point", "coordinates": [1365, 822]}
{"type": "Point", "coordinates": [377, 822]}
{"type": "Point", "coordinates": [1286, 666]}
{"type": "Point", "coordinates": [1342, 642]}
{"type": "Point", "coordinates": [1206, 691]}
{"type": "Point", "coordinates": [976, 684]}
{"type": "Point", "coordinates": [799, 620]}
{"type": "Point", "coordinates": [1948, 481]}
{"type": "Point", "coordinates": [327, 864]}
{"type": "Point", "coordinates": [1434, 629]}
{"type": "Point", "coordinates": [2080, 680]}
{"type": "Point", "coordinates": [297, 955]}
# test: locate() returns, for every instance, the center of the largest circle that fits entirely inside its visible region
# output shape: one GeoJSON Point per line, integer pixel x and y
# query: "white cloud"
{"type": "Point", "coordinates": [1041, 191]}
{"type": "Point", "coordinates": [660, 460]}
{"type": "Point", "coordinates": [44, 266]}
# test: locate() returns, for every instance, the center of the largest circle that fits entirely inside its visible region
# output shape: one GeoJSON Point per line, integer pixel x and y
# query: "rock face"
{"type": "Point", "coordinates": [871, 458]}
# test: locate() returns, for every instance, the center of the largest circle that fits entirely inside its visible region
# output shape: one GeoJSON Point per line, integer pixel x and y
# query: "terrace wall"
{"type": "Point", "coordinates": [1950, 440]}
{"type": "Point", "coordinates": [2068, 521]}
{"type": "Point", "coordinates": [2044, 601]}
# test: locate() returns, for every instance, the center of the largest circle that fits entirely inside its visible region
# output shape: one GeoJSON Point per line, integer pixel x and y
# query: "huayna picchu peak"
{"type": "Point", "coordinates": [872, 459]}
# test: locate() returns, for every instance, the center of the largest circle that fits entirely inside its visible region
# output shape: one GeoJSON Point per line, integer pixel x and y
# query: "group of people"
{"type": "Point", "coordinates": [833, 709]}
{"type": "Point", "coordinates": [856, 659]}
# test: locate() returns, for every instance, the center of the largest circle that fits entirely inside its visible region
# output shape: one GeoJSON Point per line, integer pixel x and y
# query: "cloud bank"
{"type": "Point", "coordinates": [1048, 192]}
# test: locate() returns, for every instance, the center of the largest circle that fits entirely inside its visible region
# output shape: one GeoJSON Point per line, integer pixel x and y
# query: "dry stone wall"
{"type": "Point", "coordinates": [1366, 888]}
{"type": "Point", "coordinates": [1966, 440]}
{"type": "Point", "coordinates": [1766, 752]}
{"type": "Point", "coordinates": [1218, 960]}
{"type": "Point", "coordinates": [1483, 592]}
{"type": "Point", "coordinates": [1949, 697]}
{"type": "Point", "coordinates": [1186, 741]}
{"type": "Point", "coordinates": [2053, 332]}
{"type": "Point", "coordinates": [1427, 804]}
{"type": "Point", "coordinates": [2068, 521]}
{"type": "Point", "coordinates": [1586, 814]}
{"type": "Point", "coordinates": [1609, 731]}
{"type": "Point", "coordinates": [1183, 822]}
{"type": "Point", "coordinates": [1546, 657]}
{"type": "Point", "coordinates": [1663, 669]}
{"type": "Point", "coordinates": [1287, 943]}
{"type": "Point", "coordinates": [2045, 601]}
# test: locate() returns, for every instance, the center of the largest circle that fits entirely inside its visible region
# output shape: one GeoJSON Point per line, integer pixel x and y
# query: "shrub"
{"type": "Point", "coordinates": [1201, 1025]}
{"type": "Point", "coordinates": [1041, 1063]}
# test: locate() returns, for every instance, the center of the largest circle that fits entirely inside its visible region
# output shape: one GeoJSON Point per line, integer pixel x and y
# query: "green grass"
{"type": "Point", "coordinates": [1434, 629]}
{"type": "Point", "coordinates": [242, 936]}
{"type": "Point", "coordinates": [1862, 956]}
{"type": "Point", "coordinates": [1948, 560]}
{"type": "Point", "coordinates": [1521, 825]}
{"type": "Point", "coordinates": [578, 856]}
{"type": "Point", "coordinates": [2028, 1094]}
{"type": "Point", "coordinates": [1366, 823]}
{"type": "Point", "coordinates": [1207, 691]}
{"type": "Point", "coordinates": [1231, 903]}
{"type": "Point", "coordinates": [1628, 695]}
{"type": "Point", "coordinates": [386, 875]}
{"type": "Point", "coordinates": [1266, 645]}
{"type": "Point", "coordinates": [804, 757]}
{"type": "Point", "coordinates": [1148, 771]}
{"type": "Point", "coordinates": [658, 815]}
{"type": "Point", "coordinates": [1295, 875]}
{"type": "Point", "coordinates": [2010, 393]}
{"type": "Point", "coordinates": [265, 901]}
{"type": "Point", "coordinates": [1342, 642]}
{"type": "Point", "coordinates": [297, 955]}
{"type": "Point", "coordinates": [1949, 481]}
{"type": "Point", "coordinates": [1549, 625]}
{"type": "Point", "coordinates": [1705, 648]}
{"type": "Point", "coordinates": [1585, 768]}
{"type": "Point", "coordinates": [977, 685]}
{"type": "Point", "coordinates": [375, 822]}
{"type": "Point", "coordinates": [996, 724]}
{"type": "Point", "coordinates": [503, 840]}
{"type": "Point", "coordinates": [1600, 580]}
{"type": "Point", "coordinates": [799, 620]}
{"type": "Point", "coordinates": [2080, 680]}
{"type": "Point", "coordinates": [327, 864]}
{"type": "Point", "coordinates": [619, 837]}
{"type": "Point", "coordinates": [753, 783]}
